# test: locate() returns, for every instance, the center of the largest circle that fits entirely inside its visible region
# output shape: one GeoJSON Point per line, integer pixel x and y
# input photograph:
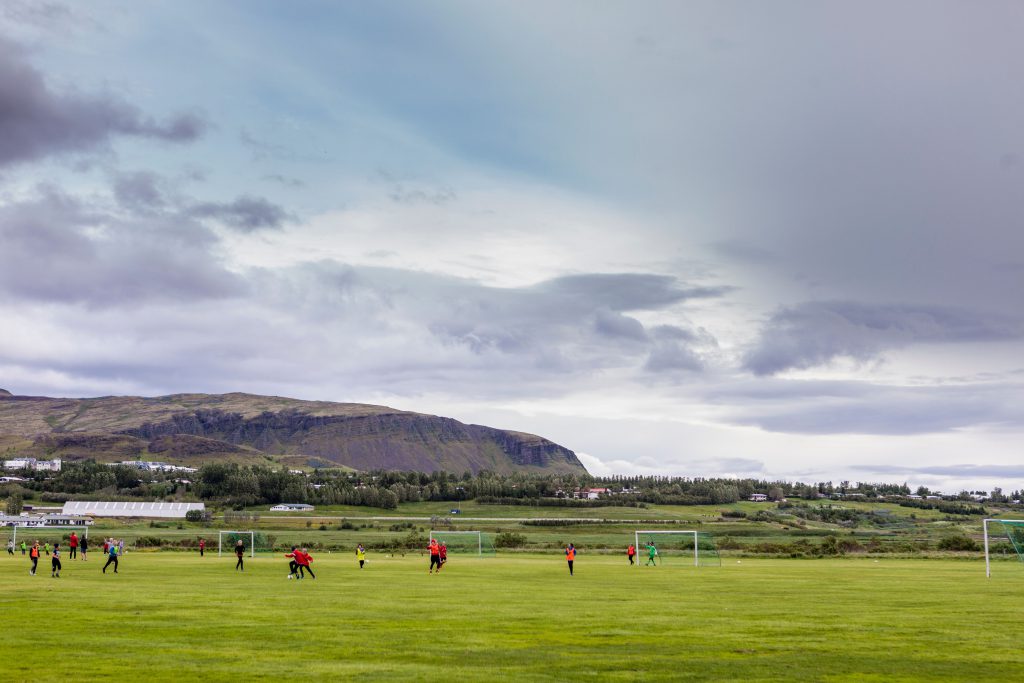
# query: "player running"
{"type": "Point", "coordinates": [55, 562]}
{"type": "Point", "coordinates": [442, 554]}
{"type": "Point", "coordinates": [361, 555]}
{"type": "Point", "coordinates": [33, 554]}
{"type": "Point", "coordinates": [304, 558]}
{"type": "Point", "coordinates": [570, 556]}
{"type": "Point", "coordinates": [652, 553]}
{"type": "Point", "coordinates": [293, 566]}
{"type": "Point", "coordinates": [435, 555]}
{"type": "Point", "coordinates": [111, 556]}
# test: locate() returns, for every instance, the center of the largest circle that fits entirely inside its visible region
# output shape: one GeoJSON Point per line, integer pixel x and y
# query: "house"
{"type": "Point", "coordinates": [22, 520]}
{"type": "Point", "coordinates": [591, 494]}
{"type": "Point", "coordinates": [66, 520]}
{"type": "Point", "coordinates": [292, 507]}
{"type": "Point", "coordinates": [33, 464]}
{"type": "Point", "coordinates": [758, 497]}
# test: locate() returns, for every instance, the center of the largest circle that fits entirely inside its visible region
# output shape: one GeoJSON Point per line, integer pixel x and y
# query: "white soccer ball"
{"type": "Point", "coordinates": [290, 576]}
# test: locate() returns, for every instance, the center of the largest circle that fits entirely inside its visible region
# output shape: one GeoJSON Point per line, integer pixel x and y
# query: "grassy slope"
{"type": "Point", "coordinates": [174, 616]}
{"type": "Point", "coordinates": [114, 413]}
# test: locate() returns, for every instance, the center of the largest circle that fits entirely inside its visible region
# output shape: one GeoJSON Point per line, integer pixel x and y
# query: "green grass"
{"type": "Point", "coordinates": [176, 616]}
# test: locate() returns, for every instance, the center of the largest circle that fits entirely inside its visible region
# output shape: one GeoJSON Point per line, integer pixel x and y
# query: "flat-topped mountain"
{"type": "Point", "coordinates": [195, 428]}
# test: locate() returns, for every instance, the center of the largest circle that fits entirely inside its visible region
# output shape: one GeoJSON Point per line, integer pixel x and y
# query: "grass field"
{"type": "Point", "coordinates": [176, 616]}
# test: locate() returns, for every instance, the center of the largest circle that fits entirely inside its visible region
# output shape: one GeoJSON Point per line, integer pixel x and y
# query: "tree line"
{"type": "Point", "coordinates": [236, 485]}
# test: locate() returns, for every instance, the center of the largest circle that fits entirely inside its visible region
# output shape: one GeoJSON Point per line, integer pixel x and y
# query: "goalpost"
{"type": "Point", "coordinates": [233, 537]}
{"type": "Point", "coordinates": [677, 543]}
{"type": "Point", "coordinates": [471, 542]}
{"type": "Point", "coordinates": [1014, 529]}
{"type": "Point", "coordinates": [42, 530]}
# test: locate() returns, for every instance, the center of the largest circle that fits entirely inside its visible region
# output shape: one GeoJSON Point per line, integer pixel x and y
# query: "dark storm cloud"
{"type": "Point", "coordinates": [813, 334]}
{"type": "Point", "coordinates": [36, 122]}
{"type": "Point", "coordinates": [58, 249]}
{"type": "Point", "coordinates": [245, 214]}
{"type": "Point", "coordinates": [811, 407]}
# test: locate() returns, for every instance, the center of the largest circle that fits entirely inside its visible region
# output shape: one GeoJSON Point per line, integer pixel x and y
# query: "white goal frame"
{"type": "Point", "coordinates": [984, 532]}
{"type": "Point", "coordinates": [220, 540]}
{"type": "Point", "coordinates": [44, 527]}
{"type": "Point", "coordinates": [479, 537]}
{"type": "Point", "coordinates": [638, 532]}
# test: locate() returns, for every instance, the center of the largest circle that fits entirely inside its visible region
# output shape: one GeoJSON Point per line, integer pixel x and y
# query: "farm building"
{"type": "Point", "coordinates": [292, 507]}
{"type": "Point", "coordinates": [123, 509]}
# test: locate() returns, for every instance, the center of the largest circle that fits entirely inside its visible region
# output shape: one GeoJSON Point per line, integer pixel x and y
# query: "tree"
{"type": "Point", "coordinates": [14, 504]}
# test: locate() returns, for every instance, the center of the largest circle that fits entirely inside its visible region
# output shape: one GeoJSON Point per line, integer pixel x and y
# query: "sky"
{"type": "Point", "coordinates": [727, 238]}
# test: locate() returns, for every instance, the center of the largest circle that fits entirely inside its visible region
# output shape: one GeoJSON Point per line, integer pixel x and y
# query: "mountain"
{"type": "Point", "coordinates": [191, 429]}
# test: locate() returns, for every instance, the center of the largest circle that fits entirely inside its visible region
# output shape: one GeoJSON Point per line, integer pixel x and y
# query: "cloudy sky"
{"type": "Point", "coordinates": [693, 238]}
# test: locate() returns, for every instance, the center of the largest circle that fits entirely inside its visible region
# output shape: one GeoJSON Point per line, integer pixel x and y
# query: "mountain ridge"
{"type": "Point", "coordinates": [194, 428]}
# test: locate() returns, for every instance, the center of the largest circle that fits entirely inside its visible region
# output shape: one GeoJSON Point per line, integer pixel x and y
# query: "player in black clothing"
{"type": "Point", "coordinates": [240, 553]}
{"type": "Point", "coordinates": [55, 562]}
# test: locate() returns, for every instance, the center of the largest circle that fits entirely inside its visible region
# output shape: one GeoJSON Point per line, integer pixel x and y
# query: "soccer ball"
{"type": "Point", "coordinates": [290, 576]}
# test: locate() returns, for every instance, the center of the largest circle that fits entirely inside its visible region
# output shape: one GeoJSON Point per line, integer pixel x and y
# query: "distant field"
{"type": "Point", "coordinates": [176, 616]}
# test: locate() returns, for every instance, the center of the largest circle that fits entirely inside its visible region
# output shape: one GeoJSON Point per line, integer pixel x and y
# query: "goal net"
{"type": "Point", "coordinates": [465, 542]}
{"type": "Point", "coordinates": [44, 534]}
{"type": "Point", "coordinates": [226, 541]}
{"type": "Point", "coordinates": [675, 548]}
{"type": "Point", "coordinates": [1003, 537]}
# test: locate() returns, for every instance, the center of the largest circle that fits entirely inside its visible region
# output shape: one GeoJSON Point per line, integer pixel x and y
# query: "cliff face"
{"type": "Point", "coordinates": [194, 428]}
{"type": "Point", "coordinates": [403, 441]}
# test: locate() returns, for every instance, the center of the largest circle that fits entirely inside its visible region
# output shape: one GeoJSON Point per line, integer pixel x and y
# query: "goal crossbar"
{"type": "Point", "coordinates": [677, 532]}
{"type": "Point", "coordinates": [252, 540]}
{"type": "Point", "coordinates": [479, 537]}
{"type": "Point", "coordinates": [984, 530]}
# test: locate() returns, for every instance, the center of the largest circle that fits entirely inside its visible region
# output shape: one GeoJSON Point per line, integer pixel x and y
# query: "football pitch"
{"type": "Point", "coordinates": [177, 616]}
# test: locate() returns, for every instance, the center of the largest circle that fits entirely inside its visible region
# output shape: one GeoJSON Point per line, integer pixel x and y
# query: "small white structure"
{"type": "Point", "coordinates": [292, 507]}
{"type": "Point", "coordinates": [758, 497]}
{"type": "Point", "coordinates": [153, 466]}
{"type": "Point", "coordinates": [33, 464]}
{"type": "Point", "coordinates": [123, 509]}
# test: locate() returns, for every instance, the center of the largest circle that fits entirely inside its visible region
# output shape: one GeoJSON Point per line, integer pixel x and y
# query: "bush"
{"type": "Point", "coordinates": [148, 542]}
{"type": "Point", "coordinates": [958, 543]}
{"type": "Point", "coordinates": [509, 539]}
{"type": "Point", "coordinates": [195, 516]}
{"type": "Point", "coordinates": [736, 514]}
